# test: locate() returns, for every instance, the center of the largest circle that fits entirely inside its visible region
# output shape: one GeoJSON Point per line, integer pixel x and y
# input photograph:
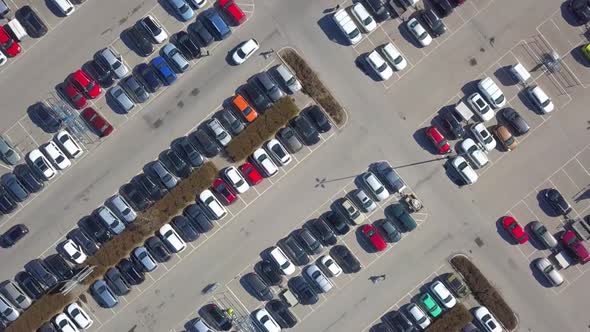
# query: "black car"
{"type": "Point", "coordinates": [175, 163]}
{"type": "Point", "coordinates": [198, 217]}
{"type": "Point", "coordinates": [148, 77]}
{"type": "Point", "coordinates": [28, 178]}
{"type": "Point", "coordinates": [101, 73]}
{"type": "Point", "coordinates": [390, 231]}
{"type": "Point", "coordinates": [269, 273]}
{"type": "Point", "coordinates": [324, 232]}
{"type": "Point", "coordinates": [452, 122]}
{"type": "Point", "coordinates": [116, 282]}
{"type": "Point", "coordinates": [279, 310]}
{"type": "Point", "coordinates": [135, 89]}
{"type": "Point", "coordinates": [258, 288]}
{"type": "Point", "coordinates": [136, 198]}
{"type": "Point", "coordinates": [346, 259]}
{"type": "Point", "coordinates": [516, 121]}
{"type": "Point", "coordinates": [399, 322]}
{"type": "Point", "coordinates": [217, 317]}
{"type": "Point", "coordinates": [47, 327]}
{"type": "Point", "coordinates": [319, 118]}
{"type": "Point", "coordinates": [185, 229]}
{"type": "Point", "coordinates": [141, 44]}
{"type": "Point", "coordinates": [59, 267]}
{"type": "Point", "coordinates": [13, 235]}
{"type": "Point", "coordinates": [436, 25]}
{"type": "Point", "coordinates": [80, 238]}
{"type": "Point", "coordinates": [309, 241]}
{"type": "Point", "coordinates": [257, 97]}
{"type": "Point", "coordinates": [303, 290]}
{"type": "Point", "coordinates": [444, 7]}
{"type": "Point", "coordinates": [187, 46]}
{"type": "Point", "coordinates": [557, 202]}
{"type": "Point", "coordinates": [150, 187]}
{"type": "Point", "coordinates": [206, 144]}
{"type": "Point", "coordinates": [31, 22]}
{"type": "Point", "coordinates": [580, 8]}
{"type": "Point", "coordinates": [45, 118]}
{"type": "Point", "coordinates": [338, 222]}
{"type": "Point", "coordinates": [158, 249]}
{"type": "Point", "coordinates": [379, 9]}
{"type": "Point", "coordinates": [201, 33]}
{"type": "Point", "coordinates": [288, 137]}
{"type": "Point", "coordinates": [306, 130]}
{"type": "Point", "coordinates": [295, 251]}
{"type": "Point", "coordinates": [7, 204]}
{"type": "Point", "coordinates": [94, 229]}
{"type": "Point", "coordinates": [131, 274]}
{"type": "Point", "coordinates": [388, 176]}
{"type": "Point", "coordinates": [38, 270]}
{"type": "Point", "coordinates": [231, 122]}
{"type": "Point", "coordinates": [15, 188]}
{"type": "Point", "coordinates": [29, 285]}
{"type": "Point", "coordinates": [188, 151]}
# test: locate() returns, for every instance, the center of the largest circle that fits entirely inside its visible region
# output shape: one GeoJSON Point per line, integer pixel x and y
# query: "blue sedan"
{"type": "Point", "coordinates": [163, 69]}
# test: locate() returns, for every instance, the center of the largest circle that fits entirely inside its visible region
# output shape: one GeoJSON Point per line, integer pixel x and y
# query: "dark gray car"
{"type": "Point", "coordinates": [7, 152]}
{"type": "Point", "coordinates": [197, 216]}
{"type": "Point", "coordinates": [388, 176]}
{"type": "Point", "coordinates": [116, 282]}
{"type": "Point", "coordinates": [28, 178]}
{"type": "Point", "coordinates": [206, 144]}
{"type": "Point", "coordinates": [309, 241]}
{"type": "Point", "coordinates": [269, 86]}
{"type": "Point", "coordinates": [392, 234]}
{"type": "Point", "coordinates": [142, 257]}
{"type": "Point", "coordinates": [434, 22]}
{"type": "Point", "coordinates": [258, 287]}
{"type": "Point", "coordinates": [188, 151]}
{"type": "Point", "coordinates": [288, 137]}
{"type": "Point", "coordinates": [40, 272]}
{"type": "Point", "coordinates": [135, 89]}
{"type": "Point", "coordinates": [231, 122]}
{"type": "Point", "coordinates": [516, 121]}
{"type": "Point", "coordinates": [15, 187]}
{"type": "Point", "coordinates": [88, 246]}
{"type": "Point", "coordinates": [103, 294]}
{"type": "Point", "coordinates": [294, 249]}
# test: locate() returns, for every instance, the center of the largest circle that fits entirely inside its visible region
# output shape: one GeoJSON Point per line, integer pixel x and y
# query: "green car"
{"type": "Point", "coordinates": [400, 213]}
{"type": "Point", "coordinates": [586, 51]}
{"type": "Point", "coordinates": [430, 305]}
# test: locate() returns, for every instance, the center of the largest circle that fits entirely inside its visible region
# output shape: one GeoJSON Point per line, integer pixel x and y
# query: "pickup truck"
{"type": "Point", "coordinates": [347, 26]}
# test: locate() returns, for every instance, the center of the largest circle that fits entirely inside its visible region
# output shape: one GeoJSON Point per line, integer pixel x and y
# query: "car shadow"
{"type": "Point", "coordinates": [452, 174]}
{"type": "Point", "coordinates": [547, 209]}
{"type": "Point", "coordinates": [568, 15]}
{"type": "Point", "coordinates": [505, 77]}
{"type": "Point", "coordinates": [503, 233]}
{"type": "Point", "coordinates": [331, 30]}
{"type": "Point", "coordinates": [526, 101]}
{"type": "Point", "coordinates": [578, 55]}
{"type": "Point", "coordinates": [470, 88]}
{"type": "Point", "coordinates": [538, 275]}
{"type": "Point", "coordinates": [53, 8]}
{"type": "Point", "coordinates": [582, 195]}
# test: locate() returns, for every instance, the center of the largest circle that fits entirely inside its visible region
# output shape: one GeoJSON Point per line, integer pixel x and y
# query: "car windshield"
{"type": "Point", "coordinates": [367, 20]}
{"type": "Point", "coordinates": [152, 26]}
{"type": "Point", "coordinates": [463, 165]}
{"type": "Point", "coordinates": [398, 60]}
{"type": "Point", "coordinates": [509, 141]}
{"type": "Point", "coordinates": [278, 151]}
{"type": "Point", "coordinates": [285, 265]}
{"type": "Point", "coordinates": [499, 100]}
{"type": "Point", "coordinates": [423, 35]}
{"type": "Point", "coordinates": [59, 159]}
{"type": "Point", "coordinates": [354, 33]}
{"type": "Point", "coordinates": [546, 103]}
{"type": "Point", "coordinates": [241, 53]}
{"type": "Point", "coordinates": [382, 67]}
{"type": "Point", "coordinates": [370, 233]}
{"type": "Point", "coordinates": [548, 269]}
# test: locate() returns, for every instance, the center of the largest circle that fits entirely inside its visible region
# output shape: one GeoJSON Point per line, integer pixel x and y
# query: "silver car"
{"type": "Point", "coordinates": [7, 152]}
{"type": "Point", "coordinates": [220, 134]}
{"type": "Point", "coordinates": [364, 201]}
{"type": "Point", "coordinates": [549, 271]}
{"type": "Point", "coordinates": [174, 57]}
{"type": "Point", "coordinates": [15, 295]}
{"type": "Point", "coordinates": [113, 60]}
{"type": "Point", "coordinates": [169, 180]}
{"type": "Point", "coordinates": [319, 278]}
{"type": "Point", "coordinates": [288, 79]}
{"type": "Point", "coordinates": [543, 234]}
{"type": "Point", "coordinates": [375, 186]}
{"type": "Point", "coordinates": [143, 257]}
{"type": "Point", "coordinates": [109, 220]}
{"type": "Point", "coordinates": [7, 311]}
{"type": "Point", "coordinates": [122, 209]}
{"type": "Point", "coordinates": [124, 102]}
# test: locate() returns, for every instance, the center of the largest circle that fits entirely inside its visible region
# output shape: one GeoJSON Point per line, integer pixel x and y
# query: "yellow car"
{"type": "Point", "coordinates": [586, 51]}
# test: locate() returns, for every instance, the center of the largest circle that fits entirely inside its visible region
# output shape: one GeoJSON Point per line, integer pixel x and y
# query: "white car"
{"type": "Point", "coordinates": [282, 261]}
{"type": "Point", "coordinates": [443, 295]}
{"type": "Point", "coordinates": [171, 238]}
{"type": "Point", "coordinates": [64, 324]}
{"type": "Point", "coordinates": [263, 161]}
{"type": "Point", "coordinates": [79, 316]}
{"type": "Point", "coordinates": [540, 99]}
{"type": "Point", "coordinates": [57, 157]}
{"type": "Point", "coordinates": [549, 271]}
{"type": "Point", "coordinates": [486, 319]}
{"type": "Point", "coordinates": [379, 65]}
{"type": "Point", "coordinates": [375, 186]}
{"type": "Point", "coordinates": [37, 159]}
{"type": "Point", "coordinates": [419, 32]}
{"type": "Point", "coordinates": [481, 107]}
{"type": "Point", "coordinates": [265, 321]}
{"type": "Point", "coordinates": [347, 26]}
{"type": "Point", "coordinates": [418, 316]}
{"type": "Point", "coordinates": [212, 204]}
{"type": "Point", "coordinates": [68, 144]}
{"type": "Point", "coordinates": [395, 58]}
{"type": "Point", "coordinates": [362, 16]}
{"type": "Point", "coordinates": [465, 171]}
{"type": "Point", "coordinates": [198, 3]}
{"type": "Point", "coordinates": [333, 268]}
{"type": "Point", "coordinates": [278, 152]}
{"type": "Point", "coordinates": [242, 53]}
{"type": "Point", "coordinates": [73, 251]}
{"type": "Point", "coordinates": [364, 201]}
{"type": "Point", "coordinates": [322, 282]}
{"type": "Point", "coordinates": [151, 25]}
{"type": "Point", "coordinates": [490, 89]}
{"type": "Point", "coordinates": [236, 180]}
{"type": "Point", "coordinates": [483, 136]}
{"type": "Point", "coordinates": [474, 153]}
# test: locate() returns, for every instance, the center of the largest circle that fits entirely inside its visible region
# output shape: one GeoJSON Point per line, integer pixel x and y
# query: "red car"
{"type": "Point", "coordinates": [233, 10]}
{"type": "Point", "coordinates": [251, 173]}
{"type": "Point", "coordinates": [102, 127]}
{"type": "Point", "coordinates": [511, 225]}
{"type": "Point", "coordinates": [10, 46]}
{"type": "Point", "coordinates": [224, 190]}
{"type": "Point", "coordinates": [439, 141]}
{"type": "Point", "coordinates": [373, 236]}
{"type": "Point", "coordinates": [570, 240]}
{"type": "Point", "coordinates": [85, 83]}
{"type": "Point", "coordinates": [75, 97]}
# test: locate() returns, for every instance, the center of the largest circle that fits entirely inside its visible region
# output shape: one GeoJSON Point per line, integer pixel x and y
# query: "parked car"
{"type": "Point", "coordinates": [549, 271]}
{"type": "Point", "coordinates": [72, 251]}
{"type": "Point", "coordinates": [197, 216]}
{"type": "Point", "coordinates": [288, 79]}
{"type": "Point", "coordinates": [581, 10]}
{"type": "Point", "coordinates": [132, 274]}
{"type": "Point", "coordinates": [100, 126]}
{"type": "Point", "coordinates": [148, 77]}
{"type": "Point", "coordinates": [363, 18]}
{"type": "Point", "coordinates": [259, 288]}
{"type": "Point", "coordinates": [378, 65]}
{"type": "Point", "coordinates": [28, 178]}
{"type": "Point", "coordinates": [345, 258]}
{"type": "Point", "coordinates": [187, 46]}
{"type": "Point", "coordinates": [148, 187]}
{"type": "Point", "coordinates": [103, 294]}
{"type": "Point", "coordinates": [215, 24]}
{"type": "Point", "coordinates": [79, 316]}
{"type": "Point", "coordinates": [364, 202]}
{"type": "Point", "coordinates": [505, 137]}
{"type": "Point", "coordinates": [84, 241]}
{"type": "Point", "coordinates": [109, 220]}
{"type": "Point", "coordinates": [188, 151]}
{"type": "Point", "coordinates": [220, 318]}
{"type": "Point", "coordinates": [116, 282]}
{"type": "Point", "coordinates": [13, 235]}
{"type": "Point", "coordinates": [309, 241]}
{"type": "Point", "coordinates": [418, 31]}
{"type": "Point", "coordinates": [318, 118]}
{"type": "Point", "coordinates": [169, 180]}
{"type": "Point", "coordinates": [210, 202]}
{"type": "Point", "coordinates": [438, 140]}
{"type": "Point", "coordinates": [29, 285]}
{"type": "Point", "coordinates": [444, 7]}
{"type": "Point", "coordinates": [436, 25]}
{"type": "Point", "coordinates": [135, 89]}
{"type": "Point", "coordinates": [112, 59]}
{"type": "Point", "coordinates": [15, 188]}
{"type": "Point", "coordinates": [7, 153]}
{"type": "Point", "coordinates": [7, 203]}
{"type": "Point", "coordinates": [247, 112]}
{"type": "Point", "coordinates": [40, 271]}
{"type": "Point", "coordinates": [157, 249]}
{"type": "Point", "coordinates": [121, 98]}
{"type": "Point", "coordinates": [281, 261]}
{"type": "Point", "coordinates": [370, 232]}
{"type": "Point", "coordinates": [153, 28]}
{"type": "Point", "coordinates": [233, 10]}
{"type": "Point", "coordinates": [142, 258]}
{"type": "Point", "coordinates": [269, 86]}
{"type": "Point", "coordinates": [101, 72]}
{"type": "Point", "coordinates": [122, 209]}
{"type": "Point", "coordinates": [487, 320]}
{"type": "Point", "coordinates": [41, 164]}
{"type": "Point", "coordinates": [245, 51]}
{"type": "Point", "coordinates": [251, 173]}
{"type": "Point", "coordinates": [399, 321]}
{"type": "Point", "coordinates": [350, 211]}
{"type": "Point", "coordinates": [173, 162]}
{"type": "Point", "coordinates": [267, 323]}
{"type": "Point", "coordinates": [338, 222]}
{"type": "Point", "coordinates": [10, 46]}
{"type": "Point", "coordinates": [324, 233]}
{"type": "Point", "coordinates": [429, 304]}
{"type": "Point", "coordinates": [166, 74]}
{"type": "Point", "coordinates": [217, 131]}
{"type": "Point", "coordinates": [474, 153]}
{"type": "Point", "coordinates": [64, 323]}
{"type": "Point", "coordinates": [303, 291]}
{"type": "Point", "coordinates": [392, 234]}
{"type": "Point", "coordinates": [203, 35]}
{"type": "Point", "coordinates": [31, 21]}
{"type": "Point", "coordinates": [557, 202]}
{"type": "Point", "coordinates": [15, 295]}
{"type": "Point", "coordinates": [375, 186]}
{"type": "Point", "coordinates": [59, 267]}
{"type": "Point", "coordinates": [181, 9]}
{"type": "Point", "coordinates": [45, 118]}
{"type": "Point", "coordinates": [141, 44]}
{"type": "Point", "coordinates": [294, 249]}
{"type": "Point", "coordinates": [481, 107]}
{"type": "Point", "coordinates": [442, 294]}
{"type": "Point", "coordinates": [483, 136]}
{"type": "Point", "coordinates": [264, 163]}
{"type": "Point", "coordinates": [540, 99]}
{"type": "Point", "coordinates": [309, 135]}
{"type": "Point", "coordinates": [281, 313]}
{"type": "Point", "coordinates": [205, 143]}
{"type": "Point", "coordinates": [571, 241]}
{"type": "Point", "coordinates": [453, 124]}
{"type": "Point", "coordinates": [73, 95]}
{"type": "Point", "coordinates": [379, 9]}
{"type": "Point", "coordinates": [257, 96]}
{"type": "Point", "coordinates": [289, 139]}
{"type": "Point", "coordinates": [136, 198]}
{"type": "Point", "coordinates": [175, 58]}
{"type": "Point", "coordinates": [225, 191]}
{"type": "Point", "coordinates": [544, 235]}
{"type": "Point", "coordinates": [516, 121]}
{"type": "Point", "coordinates": [332, 268]}
{"type": "Point", "coordinates": [492, 92]}
{"type": "Point", "coordinates": [388, 176]}
{"type": "Point", "coordinates": [269, 272]}
{"type": "Point", "coordinates": [347, 26]}
{"type": "Point", "coordinates": [56, 155]}
{"type": "Point", "coordinates": [278, 152]}
{"type": "Point", "coordinates": [398, 212]}
{"type": "Point", "coordinates": [418, 316]}
{"type": "Point", "coordinates": [85, 84]}
{"type": "Point", "coordinates": [511, 226]}
{"type": "Point", "coordinates": [235, 178]}
{"type": "Point", "coordinates": [95, 230]}
{"type": "Point", "coordinates": [68, 144]}
{"type": "Point", "coordinates": [321, 282]}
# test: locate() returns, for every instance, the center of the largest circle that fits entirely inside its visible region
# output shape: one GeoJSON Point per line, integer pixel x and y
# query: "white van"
{"type": "Point", "coordinates": [18, 31]}
{"type": "Point", "coordinates": [64, 6]}
{"type": "Point", "coordinates": [520, 73]}
{"type": "Point", "coordinates": [492, 92]}
{"type": "Point", "coordinates": [279, 258]}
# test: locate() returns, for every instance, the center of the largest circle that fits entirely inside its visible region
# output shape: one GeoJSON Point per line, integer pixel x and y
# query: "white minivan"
{"type": "Point", "coordinates": [492, 92]}
{"type": "Point", "coordinates": [64, 6]}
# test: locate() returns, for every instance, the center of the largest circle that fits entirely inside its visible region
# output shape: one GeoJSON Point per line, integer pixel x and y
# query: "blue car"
{"type": "Point", "coordinates": [163, 69]}
{"type": "Point", "coordinates": [215, 23]}
{"type": "Point", "coordinates": [148, 77]}
{"type": "Point", "coordinates": [182, 9]}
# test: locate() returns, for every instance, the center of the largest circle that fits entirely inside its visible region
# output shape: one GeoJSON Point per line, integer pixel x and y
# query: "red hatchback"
{"type": "Point", "coordinates": [233, 10]}
{"type": "Point", "coordinates": [225, 191]}
{"type": "Point", "coordinates": [373, 236]}
{"type": "Point", "coordinates": [570, 240]}
{"type": "Point", "coordinates": [251, 173]}
{"type": "Point", "coordinates": [439, 141]}
{"type": "Point", "coordinates": [10, 46]}
{"type": "Point", "coordinates": [75, 97]}
{"type": "Point", "coordinates": [511, 225]}
{"type": "Point", "coordinates": [102, 127]}
{"type": "Point", "coordinates": [86, 84]}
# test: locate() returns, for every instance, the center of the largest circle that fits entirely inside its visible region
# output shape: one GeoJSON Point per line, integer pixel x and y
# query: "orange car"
{"type": "Point", "coordinates": [242, 105]}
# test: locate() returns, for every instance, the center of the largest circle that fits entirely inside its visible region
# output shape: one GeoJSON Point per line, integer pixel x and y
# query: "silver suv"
{"type": "Point", "coordinates": [7, 152]}
{"type": "Point", "coordinates": [169, 180]}
{"type": "Point", "coordinates": [173, 55]}
{"type": "Point", "coordinates": [289, 80]}
{"type": "Point", "coordinates": [122, 99]}
{"type": "Point", "coordinates": [112, 59]}
{"type": "Point", "coordinates": [220, 134]}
